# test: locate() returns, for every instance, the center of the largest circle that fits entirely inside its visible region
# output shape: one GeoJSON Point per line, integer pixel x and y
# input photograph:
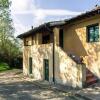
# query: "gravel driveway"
{"type": "Point", "coordinates": [13, 86]}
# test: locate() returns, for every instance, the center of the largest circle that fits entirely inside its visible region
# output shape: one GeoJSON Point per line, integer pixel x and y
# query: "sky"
{"type": "Point", "coordinates": [27, 13]}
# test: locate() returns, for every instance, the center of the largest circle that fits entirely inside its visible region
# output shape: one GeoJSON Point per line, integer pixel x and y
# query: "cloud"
{"type": "Point", "coordinates": [49, 12]}
{"type": "Point", "coordinates": [58, 12]}
{"type": "Point", "coordinates": [19, 27]}
{"type": "Point", "coordinates": [30, 7]}
{"type": "Point", "coordinates": [41, 14]}
{"type": "Point", "coordinates": [20, 5]}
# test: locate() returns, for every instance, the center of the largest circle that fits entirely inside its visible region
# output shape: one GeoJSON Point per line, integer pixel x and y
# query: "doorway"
{"type": "Point", "coordinates": [46, 69]}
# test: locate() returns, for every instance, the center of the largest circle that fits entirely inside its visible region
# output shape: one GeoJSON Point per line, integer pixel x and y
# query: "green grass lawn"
{"type": "Point", "coordinates": [4, 67]}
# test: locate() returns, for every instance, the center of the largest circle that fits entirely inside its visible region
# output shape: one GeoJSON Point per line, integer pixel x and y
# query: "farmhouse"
{"type": "Point", "coordinates": [64, 52]}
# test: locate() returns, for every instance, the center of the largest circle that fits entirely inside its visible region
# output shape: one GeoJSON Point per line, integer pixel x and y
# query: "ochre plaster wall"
{"type": "Point", "coordinates": [67, 72]}
{"type": "Point", "coordinates": [75, 41]}
{"type": "Point", "coordinates": [38, 54]}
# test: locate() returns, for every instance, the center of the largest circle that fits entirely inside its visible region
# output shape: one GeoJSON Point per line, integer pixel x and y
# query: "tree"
{"type": "Point", "coordinates": [5, 23]}
{"type": "Point", "coordinates": [8, 44]}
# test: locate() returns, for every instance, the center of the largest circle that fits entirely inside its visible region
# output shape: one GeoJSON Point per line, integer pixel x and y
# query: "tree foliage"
{"type": "Point", "coordinates": [9, 48]}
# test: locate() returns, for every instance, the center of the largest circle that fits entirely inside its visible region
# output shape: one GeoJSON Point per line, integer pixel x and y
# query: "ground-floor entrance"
{"type": "Point", "coordinates": [46, 69]}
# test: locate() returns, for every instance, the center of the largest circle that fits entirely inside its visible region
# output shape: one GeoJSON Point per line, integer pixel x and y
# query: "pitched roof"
{"type": "Point", "coordinates": [48, 25]}
{"type": "Point", "coordinates": [60, 23]}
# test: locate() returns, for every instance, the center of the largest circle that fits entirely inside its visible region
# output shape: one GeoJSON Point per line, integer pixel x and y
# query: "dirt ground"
{"type": "Point", "coordinates": [14, 86]}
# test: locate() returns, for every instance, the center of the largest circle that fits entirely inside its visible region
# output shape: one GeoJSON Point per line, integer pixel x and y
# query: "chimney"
{"type": "Point", "coordinates": [97, 7]}
{"type": "Point", "coordinates": [32, 27]}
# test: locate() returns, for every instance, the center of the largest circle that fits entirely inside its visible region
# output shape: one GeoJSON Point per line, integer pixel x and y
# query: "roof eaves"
{"type": "Point", "coordinates": [86, 14]}
{"type": "Point", "coordinates": [57, 23]}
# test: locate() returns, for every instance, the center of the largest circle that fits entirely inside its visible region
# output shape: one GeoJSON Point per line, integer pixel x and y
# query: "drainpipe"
{"type": "Point", "coordinates": [51, 31]}
{"type": "Point", "coordinates": [53, 58]}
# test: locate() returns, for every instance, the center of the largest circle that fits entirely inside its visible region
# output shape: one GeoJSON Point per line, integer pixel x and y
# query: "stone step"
{"type": "Point", "coordinates": [91, 81]}
{"type": "Point", "coordinates": [89, 76]}
{"type": "Point", "coordinates": [88, 72]}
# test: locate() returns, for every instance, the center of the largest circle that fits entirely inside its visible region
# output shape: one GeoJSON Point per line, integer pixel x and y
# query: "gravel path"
{"type": "Point", "coordinates": [14, 86]}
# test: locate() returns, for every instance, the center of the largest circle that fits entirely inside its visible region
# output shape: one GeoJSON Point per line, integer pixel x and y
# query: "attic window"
{"type": "Point", "coordinates": [93, 33]}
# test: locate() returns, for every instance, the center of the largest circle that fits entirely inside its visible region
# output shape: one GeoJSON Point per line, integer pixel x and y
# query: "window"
{"type": "Point", "coordinates": [61, 38]}
{"type": "Point", "coordinates": [46, 39]}
{"type": "Point", "coordinates": [93, 33]}
{"type": "Point", "coordinates": [27, 42]}
{"type": "Point", "coordinates": [30, 65]}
